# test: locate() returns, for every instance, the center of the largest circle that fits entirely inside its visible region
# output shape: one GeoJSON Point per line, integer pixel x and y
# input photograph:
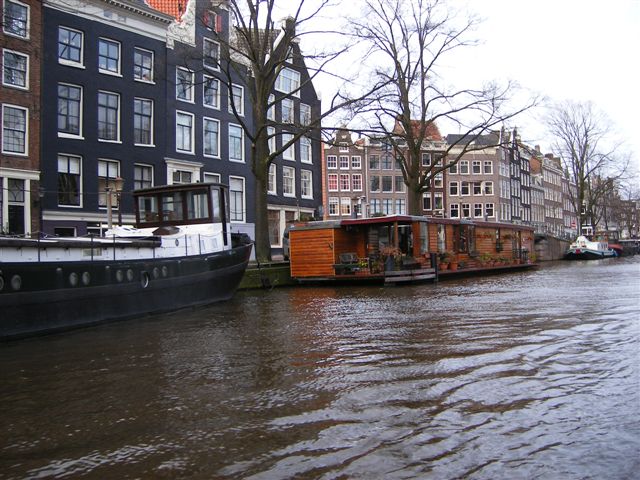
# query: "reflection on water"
{"type": "Point", "coordinates": [526, 375]}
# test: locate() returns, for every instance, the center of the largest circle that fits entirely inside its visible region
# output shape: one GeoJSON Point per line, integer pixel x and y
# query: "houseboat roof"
{"type": "Point", "coordinates": [404, 219]}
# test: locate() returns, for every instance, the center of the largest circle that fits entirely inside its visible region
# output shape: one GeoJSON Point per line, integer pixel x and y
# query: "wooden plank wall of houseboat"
{"type": "Point", "coordinates": [350, 241]}
{"type": "Point", "coordinates": [312, 253]}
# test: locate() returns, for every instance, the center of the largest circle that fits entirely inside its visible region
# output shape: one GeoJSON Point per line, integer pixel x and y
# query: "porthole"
{"type": "Point", "coordinates": [73, 279]}
{"type": "Point", "coordinates": [156, 272]}
{"type": "Point", "coordinates": [86, 278]}
{"type": "Point", "coordinates": [130, 275]}
{"type": "Point", "coordinates": [144, 279]}
{"type": "Point", "coordinates": [16, 282]}
{"type": "Point", "coordinates": [165, 271]}
{"type": "Point", "coordinates": [119, 276]}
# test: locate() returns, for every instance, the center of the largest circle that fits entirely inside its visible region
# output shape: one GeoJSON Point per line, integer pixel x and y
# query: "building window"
{"type": "Point", "coordinates": [271, 185]}
{"type": "Point", "coordinates": [108, 116]}
{"type": "Point", "coordinates": [345, 206]}
{"type": "Point", "coordinates": [108, 56]}
{"type": "Point", "coordinates": [376, 206]}
{"type": "Point", "coordinates": [374, 183]}
{"type": "Point", "coordinates": [142, 176]}
{"type": "Point", "coordinates": [15, 69]}
{"type": "Point", "coordinates": [374, 162]}
{"type": "Point", "coordinates": [108, 171]}
{"type": "Point", "coordinates": [477, 188]}
{"type": "Point", "coordinates": [142, 65]}
{"type": "Point", "coordinates": [142, 121]}
{"type": "Point", "coordinates": [343, 147]}
{"type": "Point", "coordinates": [453, 168]}
{"type": "Point", "coordinates": [236, 99]}
{"type": "Point", "coordinates": [290, 152]}
{"type": "Point", "coordinates": [356, 162]}
{"type": "Point", "coordinates": [184, 84]}
{"type": "Point", "coordinates": [184, 132]}
{"type": "Point", "coordinates": [438, 201]}
{"type": "Point", "coordinates": [271, 139]}
{"type": "Point", "coordinates": [69, 109]}
{"type": "Point", "coordinates": [387, 206]}
{"type": "Point", "coordinates": [211, 134]}
{"type": "Point", "coordinates": [477, 210]}
{"type": "Point", "coordinates": [211, 92]}
{"type": "Point", "coordinates": [333, 206]}
{"type": "Point", "coordinates": [332, 162]}
{"type": "Point", "coordinates": [288, 81]}
{"type": "Point", "coordinates": [69, 176]}
{"type": "Point", "coordinates": [288, 182]}
{"type": "Point", "coordinates": [488, 188]}
{"type": "Point", "coordinates": [306, 184]}
{"type": "Point", "coordinates": [399, 184]}
{"type": "Point", "coordinates": [426, 201]}
{"type": "Point", "coordinates": [70, 44]}
{"type": "Point", "coordinates": [454, 210]}
{"type": "Point", "coordinates": [464, 188]}
{"type": "Point", "coordinates": [488, 167]}
{"type": "Point", "coordinates": [464, 167]}
{"type": "Point", "coordinates": [271, 107]}
{"type": "Point", "coordinates": [438, 180]}
{"type": "Point", "coordinates": [453, 188]}
{"type": "Point", "coordinates": [387, 163]}
{"type": "Point", "coordinates": [14, 130]}
{"type": "Point", "coordinates": [387, 183]}
{"type": "Point", "coordinates": [209, 177]}
{"type": "Point", "coordinates": [236, 143]}
{"type": "Point", "coordinates": [345, 182]}
{"type": "Point", "coordinates": [475, 167]}
{"type": "Point", "coordinates": [181, 177]}
{"type": "Point", "coordinates": [401, 208]}
{"type": "Point", "coordinates": [466, 210]}
{"type": "Point", "coordinates": [488, 210]}
{"type": "Point", "coordinates": [236, 199]}
{"type": "Point", "coordinates": [332, 182]}
{"type": "Point", "coordinates": [305, 150]}
{"type": "Point", "coordinates": [16, 19]}
{"type": "Point", "coordinates": [426, 159]}
{"type": "Point", "coordinates": [210, 53]}
{"type": "Point", "coordinates": [305, 114]}
{"type": "Point", "coordinates": [356, 180]}
{"type": "Point", "coordinates": [287, 113]}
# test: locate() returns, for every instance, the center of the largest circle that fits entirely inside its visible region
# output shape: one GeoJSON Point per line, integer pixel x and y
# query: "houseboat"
{"type": "Point", "coordinates": [180, 253]}
{"type": "Point", "coordinates": [585, 249]}
{"type": "Point", "coordinates": [401, 248]}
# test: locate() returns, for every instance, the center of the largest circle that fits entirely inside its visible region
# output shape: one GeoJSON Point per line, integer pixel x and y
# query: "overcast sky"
{"type": "Point", "coordinates": [582, 50]}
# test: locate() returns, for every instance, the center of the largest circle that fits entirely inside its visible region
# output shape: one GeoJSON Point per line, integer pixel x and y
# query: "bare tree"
{"type": "Point", "coordinates": [584, 140]}
{"type": "Point", "coordinates": [408, 40]}
{"type": "Point", "coordinates": [257, 51]}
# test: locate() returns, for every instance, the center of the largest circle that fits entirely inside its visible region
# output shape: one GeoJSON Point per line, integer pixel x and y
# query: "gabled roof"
{"type": "Point", "coordinates": [431, 133]}
{"type": "Point", "coordinates": [174, 8]}
{"type": "Point", "coordinates": [488, 139]}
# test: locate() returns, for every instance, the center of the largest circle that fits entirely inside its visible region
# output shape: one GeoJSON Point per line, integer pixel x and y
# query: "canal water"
{"type": "Point", "coordinates": [524, 375]}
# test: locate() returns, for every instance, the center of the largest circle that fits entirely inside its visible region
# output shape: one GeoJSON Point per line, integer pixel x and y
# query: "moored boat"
{"type": "Point", "coordinates": [585, 249]}
{"type": "Point", "coordinates": [181, 253]}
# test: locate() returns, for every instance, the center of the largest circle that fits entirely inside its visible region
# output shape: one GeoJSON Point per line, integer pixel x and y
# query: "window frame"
{"type": "Point", "coordinates": [142, 68]}
{"type": "Point", "coordinates": [205, 121]}
{"type": "Point", "coordinates": [243, 218]}
{"type": "Point", "coordinates": [139, 183]}
{"type": "Point", "coordinates": [109, 108]}
{"type": "Point", "coordinates": [272, 180]}
{"type": "Point", "coordinates": [183, 114]}
{"type": "Point", "coordinates": [6, 51]}
{"type": "Point", "coordinates": [187, 88]}
{"type": "Point", "coordinates": [25, 131]}
{"type": "Point", "coordinates": [26, 22]}
{"type": "Point", "coordinates": [109, 182]}
{"type": "Point", "coordinates": [150, 119]}
{"type": "Point", "coordinates": [288, 180]}
{"type": "Point", "coordinates": [305, 150]}
{"type": "Point", "coordinates": [64, 60]}
{"type": "Point", "coordinates": [292, 85]}
{"type": "Point", "coordinates": [79, 177]}
{"type": "Point", "coordinates": [118, 60]}
{"type": "Point", "coordinates": [206, 56]}
{"type": "Point", "coordinates": [68, 101]}
{"type": "Point", "coordinates": [308, 182]}
{"type": "Point", "coordinates": [208, 80]}
{"type": "Point", "coordinates": [232, 99]}
{"type": "Point", "coordinates": [242, 149]}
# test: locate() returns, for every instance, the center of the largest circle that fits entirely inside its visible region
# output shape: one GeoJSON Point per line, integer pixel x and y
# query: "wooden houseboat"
{"type": "Point", "coordinates": [401, 248]}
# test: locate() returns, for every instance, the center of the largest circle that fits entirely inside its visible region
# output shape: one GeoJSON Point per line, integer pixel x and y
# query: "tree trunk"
{"type": "Point", "coordinates": [260, 164]}
{"type": "Point", "coordinates": [414, 206]}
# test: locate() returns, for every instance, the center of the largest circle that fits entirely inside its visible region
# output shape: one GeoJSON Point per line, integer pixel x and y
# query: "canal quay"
{"type": "Point", "coordinates": [531, 374]}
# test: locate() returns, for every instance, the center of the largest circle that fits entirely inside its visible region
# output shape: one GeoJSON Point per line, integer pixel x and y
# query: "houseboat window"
{"type": "Point", "coordinates": [462, 239]}
{"type": "Point", "coordinates": [442, 245]}
{"type": "Point", "coordinates": [148, 209]}
{"type": "Point", "coordinates": [172, 207]}
{"type": "Point", "coordinates": [471, 237]}
{"type": "Point", "coordinates": [197, 205]}
{"type": "Point", "coordinates": [424, 238]}
{"type": "Point", "coordinates": [216, 204]}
